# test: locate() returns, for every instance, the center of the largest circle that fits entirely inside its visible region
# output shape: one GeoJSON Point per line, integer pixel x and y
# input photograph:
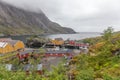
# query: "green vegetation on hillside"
{"type": "Point", "coordinates": [20, 31]}
{"type": "Point", "coordinates": [101, 63]}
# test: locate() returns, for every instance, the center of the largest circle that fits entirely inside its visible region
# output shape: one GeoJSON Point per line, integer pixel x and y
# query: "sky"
{"type": "Point", "coordinates": [80, 15]}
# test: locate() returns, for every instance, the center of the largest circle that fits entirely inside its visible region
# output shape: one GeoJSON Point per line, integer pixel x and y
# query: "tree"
{"type": "Point", "coordinates": [107, 35]}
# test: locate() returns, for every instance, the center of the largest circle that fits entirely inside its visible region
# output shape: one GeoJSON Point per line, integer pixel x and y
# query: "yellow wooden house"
{"type": "Point", "coordinates": [6, 47]}
{"type": "Point", "coordinates": [9, 45]}
{"type": "Point", "coordinates": [19, 45]}
{"type": "Point", "coordinates": [57, 41]}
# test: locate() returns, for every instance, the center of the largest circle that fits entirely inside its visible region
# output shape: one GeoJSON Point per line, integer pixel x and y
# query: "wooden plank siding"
{"type": "Point", "coordinates": [57, 42]}
{"type": "Point", "coordinates": [19, 45]}
{"type": "Point", "coordinates": [8, 48]}
{"type": "Point", "coordinates": [8, 45]}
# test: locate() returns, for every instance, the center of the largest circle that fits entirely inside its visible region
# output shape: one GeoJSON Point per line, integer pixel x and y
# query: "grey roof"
{"type": "Point", "coordinates": [9, 40]}
{"type": "Point", "coordinates": [29, 51]}
{"type": "Point", "coordinates": [13, 42]}
{"type": "Point", "coordinates": [26, 51]}
{"type": "Point", "coordinates": [3, 44]}
{"type": "Point", "coordinates": [59, 51]}
{"type": "Point", "coordinates": [5, 39]}
{"type": "Point", "coordinates": [58, 39]}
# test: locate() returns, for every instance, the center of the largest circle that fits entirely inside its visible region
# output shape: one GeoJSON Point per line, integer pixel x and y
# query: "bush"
{"type": "Point", "coordinates": [85, 75]}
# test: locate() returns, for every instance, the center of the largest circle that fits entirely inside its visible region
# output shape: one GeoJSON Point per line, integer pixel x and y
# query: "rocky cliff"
{"type": "Point", "coordinates": [17, 21]}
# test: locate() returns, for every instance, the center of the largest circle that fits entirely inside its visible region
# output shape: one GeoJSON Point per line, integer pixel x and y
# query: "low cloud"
{"type": "Point", "coordinates": [81, 15]}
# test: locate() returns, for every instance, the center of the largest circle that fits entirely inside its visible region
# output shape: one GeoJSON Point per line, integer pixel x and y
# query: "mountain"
{"type": "Point", "coordinates": [17, 21]}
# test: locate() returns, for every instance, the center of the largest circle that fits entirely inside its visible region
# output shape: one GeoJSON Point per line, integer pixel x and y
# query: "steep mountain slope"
{"type": "Point", "coordinates": [15, 21]}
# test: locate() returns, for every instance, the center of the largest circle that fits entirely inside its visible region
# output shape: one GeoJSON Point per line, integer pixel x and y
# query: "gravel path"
{"type": "Point", "coordinates": [51, 61]}
{"type": "Point", "coordinates": [54, 61]}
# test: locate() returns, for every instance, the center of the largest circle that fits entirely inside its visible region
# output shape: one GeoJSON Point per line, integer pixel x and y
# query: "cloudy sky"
{"type": "Point", "coordinates": [81, 15]}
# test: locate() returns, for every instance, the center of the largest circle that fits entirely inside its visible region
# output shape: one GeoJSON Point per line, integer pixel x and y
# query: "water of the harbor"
{"type": "Point", "coordinates": [77, 36]}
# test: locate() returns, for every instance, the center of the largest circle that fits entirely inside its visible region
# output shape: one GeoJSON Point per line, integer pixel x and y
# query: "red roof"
{"type": "Point", "coordinates": [73, 43]}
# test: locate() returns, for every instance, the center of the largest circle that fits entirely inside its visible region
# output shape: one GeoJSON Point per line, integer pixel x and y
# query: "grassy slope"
{"type": "Point", "coordinates": [103, 64]}
{"type": "Point", "coordinates": [17, 31]}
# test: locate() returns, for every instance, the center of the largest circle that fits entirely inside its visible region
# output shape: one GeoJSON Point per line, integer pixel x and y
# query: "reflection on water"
{"type": "Point", "coordinates": [77, 36]}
